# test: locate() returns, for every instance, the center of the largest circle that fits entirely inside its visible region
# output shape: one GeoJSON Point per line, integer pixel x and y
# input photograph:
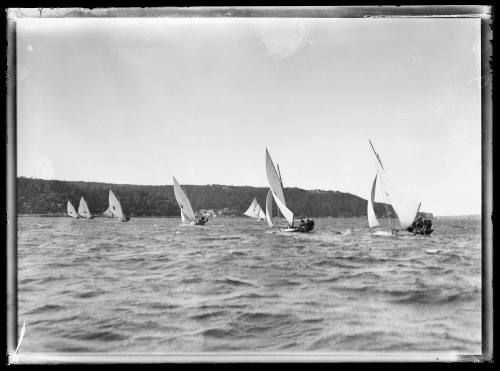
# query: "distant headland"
{"type": "Point", "coordinates": [49, 197]}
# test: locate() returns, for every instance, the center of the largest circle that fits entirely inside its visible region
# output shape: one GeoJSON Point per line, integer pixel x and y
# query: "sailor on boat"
{"type": "Point", "coordinates": [306, 225]}
{"type": "Point", "coordinates": [201, 220]}
{"type": "Point", "coordinates": [421, 226]}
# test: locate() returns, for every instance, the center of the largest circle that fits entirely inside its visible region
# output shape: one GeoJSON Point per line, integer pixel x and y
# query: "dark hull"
{"type": "Point", "coordinates": [304, 228]}
{"type": "Point", "coordinates": [424, 233]}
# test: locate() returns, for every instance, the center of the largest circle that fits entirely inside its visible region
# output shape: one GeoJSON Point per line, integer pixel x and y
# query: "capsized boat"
{"type": "Point", "coordinates": [276, 189]}
{"type": "Point", "coordinates": [187, 213]}
{"type": "Point", "coordinates": [115, 208]}
{"type": "Point", "coordinates": [83, 209]}
{"type": "Point", "coordinates": [71, 210]}
{"type": "Point", "coordinates": [405, 209]}
{"type": "Point", "coordinates": [255, 211]}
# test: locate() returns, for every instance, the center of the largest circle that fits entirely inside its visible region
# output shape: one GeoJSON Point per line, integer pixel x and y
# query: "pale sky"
{"type": "Point", "coordinates": [129, 100]}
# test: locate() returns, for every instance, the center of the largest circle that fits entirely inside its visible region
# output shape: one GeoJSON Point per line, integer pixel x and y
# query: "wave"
{"type": "Point", "coordinates": [98, 335]}
{"type": "Point", "coordinates": [89, 294]}
{"type": "Point", "coordinates": [219, 333]}
{"type": "Point", "coordinates": [235, 282]}
{"type": "Point", "coordinates": [46, 308]}
{"type": "Point", "coordinates": [430, 296]}
{"type": "Point", "coordinates": [203, 316]}
{"type": "Point", "coordinates": [220, 238]}
{"type": "Point", "coordinates": [262, 317]}
{"type": "Point", "coordinates": [191, 280]}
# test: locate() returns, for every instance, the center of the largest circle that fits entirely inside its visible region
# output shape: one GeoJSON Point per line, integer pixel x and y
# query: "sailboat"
{"type": "Point", "coordinates": [115, 208]}
{"type": "Point", "coordinates": [83, 209]}
{"type": "Point", "coordinates": [255, 211]}
{"type": "Point", "coordinates": [187, 213]}
{"type": "Point", "coordinates": [276, 190]}
{"type": "Point", "coordinates": [71, 210]}
{"type": "Point", "coordinates": [405, 209]}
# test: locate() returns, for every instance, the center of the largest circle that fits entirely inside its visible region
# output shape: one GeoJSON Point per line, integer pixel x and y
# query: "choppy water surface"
{"type": "Point", "coordinates": [151, 285]}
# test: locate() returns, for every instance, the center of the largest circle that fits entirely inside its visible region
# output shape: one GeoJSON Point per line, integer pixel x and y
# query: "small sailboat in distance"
{"type": "Point", "coordinates": [187, 213]}
{"type": "Point", "coordinates": [276, 188]}
{"type": "Point", "coordinates": [115, 208]}
{"type": "Point", "coordinates": [71, 210]}
{"type": "Point", "coordinates": [255, 211]}
{"type": "Point", "coordinates": [406, 210]}
{"type": "Point", "coordinates": [83, 209]}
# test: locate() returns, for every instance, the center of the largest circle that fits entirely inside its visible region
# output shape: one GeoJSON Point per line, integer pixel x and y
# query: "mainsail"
{"type": "Point", "coordinates": [277, 189]}
{"type": "Point", "coordinates": [83, 209]}
{"type": "Point", "coordinates": [255, 211]}
{"type": "Point", "coordinates": [187, 213]}
{"type": "Point", "coordinates": [114, 206]}
{"type": "Point", "coordinates": [269, 208]}
{"type": "Point", "coordinates": [71, 210]}
{"type": "Point", "coordinates": [406, 210]}
{"type": "Point", "coordinates": [372, 218]}
{"type": "Point", "coordinates": [108, 212]}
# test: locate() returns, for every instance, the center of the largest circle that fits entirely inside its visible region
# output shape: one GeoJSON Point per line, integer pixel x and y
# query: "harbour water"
{"type": "Point", "coordinates": [153, 286]}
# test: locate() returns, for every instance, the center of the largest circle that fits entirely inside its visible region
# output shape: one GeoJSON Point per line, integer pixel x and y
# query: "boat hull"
{"type": "Point", "coordinates": [304, 227]}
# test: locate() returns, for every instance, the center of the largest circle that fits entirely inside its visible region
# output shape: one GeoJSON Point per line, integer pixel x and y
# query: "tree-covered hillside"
{"type": "Point", "coordinates": [38, 196]}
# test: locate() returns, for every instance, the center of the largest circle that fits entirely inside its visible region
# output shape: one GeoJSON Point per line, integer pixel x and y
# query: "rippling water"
{"type": "Point", "coordinates": [151, 285]}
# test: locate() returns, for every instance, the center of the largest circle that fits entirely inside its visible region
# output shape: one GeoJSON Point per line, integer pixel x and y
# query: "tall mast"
{"type": "Point", "coordinates": [281, 181]}
{"type": "Point", "coordinates": [376, 154]}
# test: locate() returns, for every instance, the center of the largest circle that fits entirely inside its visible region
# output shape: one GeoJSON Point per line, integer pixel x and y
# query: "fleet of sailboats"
{"type": "Point", "coordinates": [406, 210]}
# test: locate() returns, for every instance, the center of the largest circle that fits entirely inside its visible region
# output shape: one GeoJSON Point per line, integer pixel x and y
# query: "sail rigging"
{"type": "Point", "coordinates": [277, 189]}
{"type": "Point", "coordinates": [406, 210]}
{"type": "Point", "coordinates": [71, 210]}
{"type": "Point", "coordinates": [372, 218]}
{"type": "Point", "coordinates": [187, 213]}
{"type": "Point", "coordinates": [83, 209]}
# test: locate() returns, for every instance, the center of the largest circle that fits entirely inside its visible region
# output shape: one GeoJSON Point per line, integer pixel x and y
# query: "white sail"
{"type": "Point", "coordinates": [184, 217]}
{"type": "Point", "coordinates": [262, 214]}
{"type": "Point", "coordinates": [83, 209]}
{"type": "Point", "coordinates": [254, 210]}
{"type": "Point", "coordinates": [269, 208]}
{"type": "Point", "coordinates": [108, 212]}
{"type": "Point", "coordinates": [114, 206]}
{"type": "Point", "coordinates": [406, 210]}
{"type": "Point", "coordinates": [372, 218]}
{"type": "Point", "coordinates": [277, 189]}
{"type": "Point", "coordinates": [187, 213]}
{"type": "Point", "coordinates": [274, 178]}
{"type": "Point", "coordinates": [71, 210]}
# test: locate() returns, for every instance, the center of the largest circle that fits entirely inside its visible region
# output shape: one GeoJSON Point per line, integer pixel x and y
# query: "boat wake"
{"type": "Point", "coordinates": [383, 234]}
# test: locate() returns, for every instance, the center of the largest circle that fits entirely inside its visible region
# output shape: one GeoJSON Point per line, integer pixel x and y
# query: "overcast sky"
{"type": "Point", "coordinates": [141, 100]}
